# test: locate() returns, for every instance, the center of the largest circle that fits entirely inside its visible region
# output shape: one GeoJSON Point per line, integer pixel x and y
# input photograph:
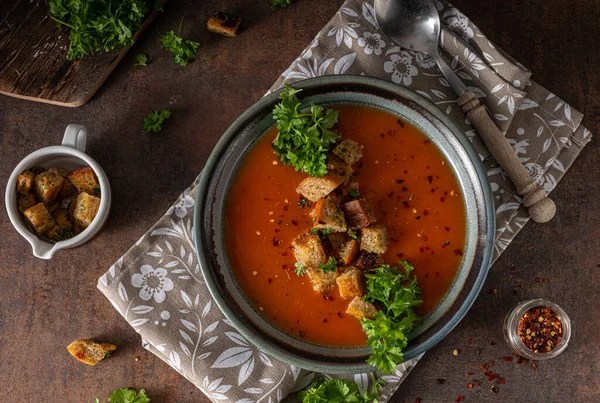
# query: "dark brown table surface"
{"type": "Point", "coordinates": [46, 304]}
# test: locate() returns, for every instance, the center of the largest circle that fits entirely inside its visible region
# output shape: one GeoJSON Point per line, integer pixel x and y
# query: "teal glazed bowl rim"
{"type": "Point", "coordinates": [225, 159]}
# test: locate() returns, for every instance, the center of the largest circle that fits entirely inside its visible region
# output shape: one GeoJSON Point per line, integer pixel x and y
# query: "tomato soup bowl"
{"type": "Point", "coordinates": [210, 220]}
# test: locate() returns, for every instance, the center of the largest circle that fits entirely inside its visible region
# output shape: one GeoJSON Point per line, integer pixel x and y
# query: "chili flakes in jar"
{"type": "Point", "coordinates": [540, 329]}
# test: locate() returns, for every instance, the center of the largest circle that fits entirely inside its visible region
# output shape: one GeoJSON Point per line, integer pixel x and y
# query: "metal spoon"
{"type": "Point", "coordinates": [415, 25]}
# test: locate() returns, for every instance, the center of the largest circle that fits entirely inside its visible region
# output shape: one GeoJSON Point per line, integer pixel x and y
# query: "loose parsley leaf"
{"type": "Point", "coordinates": [337, 391]}
{"type": "Point", "coordinates": [141, 59]}
{"type": "Point", "coordinates": [281, 3]}
{"type": "Point", "coordinates": [303, 203]}
{"type": "Point", "coordinates": [353, 194]}
{"type": "Point", "coordinates": [353, 234]}
{"type": "Point", "coordinates": [126, 395]}
{"type": "Point", "coordinates": [329, 266]}
{"type": "Point", "coordinates": [96, 400]}
{"type": "Point", "coordinates": [304, 139]}
{"type": "Point", "coordinates": [154, 121]}
{"type": "Point", "coordinates": [300, 269]}
{"type": "Point", "coordinates": [184, 50]}
{"type": "Point", "coordinates": [98, 25]}
{"type": "Point", "coordinates": [396, 292]}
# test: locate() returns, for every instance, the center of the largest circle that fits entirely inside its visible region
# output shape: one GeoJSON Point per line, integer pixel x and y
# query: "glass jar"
{"type": "Point", "coordinates": [511, 329]}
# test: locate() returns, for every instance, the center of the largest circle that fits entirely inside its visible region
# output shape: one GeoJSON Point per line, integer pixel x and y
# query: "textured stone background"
{"type": "Point", "coordinates": [44, 305]}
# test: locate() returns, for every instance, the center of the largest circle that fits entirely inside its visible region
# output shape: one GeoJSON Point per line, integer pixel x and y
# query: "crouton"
{"type": "Point", "coordinates": [25, 182]}
{"type": "Point", "coordinates": [51, 207]}
{"type": "Point", "coordinates": [328, 215]}
{"type": "Point", "coordinates": [26, 201]}
{"type": "Point", "coordinates": [348, 151]}
{"type": "Point", "coordinates": [224, 24]}
{"type": "Point", "coordinates": [322, 281]}
{"type": "Point", "coordinates": [351, 192]}
{"type": "Point", "coordinates": [309, 250]}
{"type": "Point", "coordinates": [334, 165]}
{"type": "Point", "coordinates": [85, 180]}
{"type": "Point", "coordinates": [85, 210]}
{"type": "Point", "coordinates": [359, 213]}
{"type": "Point", "coordinates": [343, 247]}
{"type": "Point", "coordinates": [61, 218]}
{"type": "Point", "coordinates": [361, 309]}
{"type": "Point", "coordinates": [351, 284]}
{"type": "Point", "coordinates": [368, 260]}
{"type": "Point", "coordinates": [39, 218]}
{"type": "Point", "coordinates": [314, 189]}
{"type": "Point", "coordinates": [48, 185]}
{"type": "Point", "coordinates": [374, 239]}
{"type": "Point", "coordinates": [90, 352]}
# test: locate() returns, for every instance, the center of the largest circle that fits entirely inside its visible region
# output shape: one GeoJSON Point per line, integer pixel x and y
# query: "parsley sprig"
{"type": "Point", "coordinates": [98, 25]}
{"type": "Point", "coordinates": [125, 395]}
{"type": "Point", "coordinates": [396, 292]}
{"type": "Point", "coordinates": [154, 121]}
{"type": "Point", "coordinates": [329, 266]}
{"type": "Point", "coordinates": [339, 391]}
{"type": "Point", "coordinates": [304, 138]}
{"type": "Point", "coordinates": [281, 3]}
{"type": "Point", "coordinates": [141, 59]}
{"type": "Point", "coordinates": [299, 269]}
{"type": "Point", "coordinates": [183, 49]}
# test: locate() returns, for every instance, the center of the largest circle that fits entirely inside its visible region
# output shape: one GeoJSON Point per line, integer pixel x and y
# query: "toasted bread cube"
{"type": "Point", "coordinates": [39, 218]}
{"type": "Point", "coordinates": [351, 192]}
{"type": "Point", "coordinates": [348, 151]}
{"type": "Point", "coordinates": [25, 182]}
{"type": "Point", "coordinates": [61, 218]}
{"type": "Point", "coordinates": [359, 213]}
{"type": "Point", "coordinates": [328, 215]}
{"type": "Point", "coordinates": [309, 250]}
{"type": "Point", "coordinates": [368, 260]}
{"type": "Point", "coordinates": [339, 167]}
{"type": "Point", "coordinates": [374, 239]}
{"type": "Point", "coordinates": [343, 247]}
{"type": "Point", "coordinates": [85, 180]}
{"type": "Point", "coordinates": [48, 185]}
{"type": "Point", "coordinates": [224, 24]}
{"type": "Point", "coordinates": [314, 189]}
{"type": "Point", "coordinates": [361, 309]}
{"type": "Point", "coordinates": [351, 284]}
{"type": "Point", "coordinates": [26, 201]}
{"type": "Point", "coordinates": [51, 207]}
{"type": "Point", "coordinates": [90, 352]}
{"type": "Point", "coordinates": [322, 281]}
{"type": "Point", "coordinates": [85, 210]}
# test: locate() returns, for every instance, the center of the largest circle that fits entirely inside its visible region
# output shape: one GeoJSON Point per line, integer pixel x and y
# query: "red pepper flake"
{"type": "Point", "coordinates": [447, 228]}
{"type": "Point", "coordinates": [400, 255]}
{"type": "Point", "coordinates": [508, 359]}
{"type": "Point", "coordinates": [469, 341]}
{"type": "Point", "coordinates": [405, 171]}
{"type": "Point", "coordinates": [401, 123]}
{"type": "Point", "coordinates": [490, 375]}
{"type": "Point", "coordinates": [418, 400]}
{"type": "Point", "coordinates": [285, 207]}
{"type": "Point", "coordinates": [537, 280]}
{"type": "Point", "coordinates": [476, 382]}
{"type": "Point", "coordinates": [484, 367]}
{"type": "Point", "coordinates": [424, 238]}
{"type": "Point", "coordinates": [276, 242]}
{"type": "Point", "coordinates": [270, 280]}
{"type": "Point", "coordinates": [426, 142]}
{"type": "Point", "coordinates": [469, 386]}
{"type": "Point", "coordinates": [277, 230]}
{"type": "Point", "coordinates": [521, 285]}
{"type": "Point", "coordinates": [460, 399]}
{"type": "Point", "coordinates": [285, 267]}
{"type": "Point", "coordinates": [405, 204]}
{"type": "Point", "coordinates": [324, 320]}
{"type": "Point", "coordinates": [458, 252]}
{"type": "Point", "coordinates": [522, 360]}
{"type": "Point", "coordinates": [294, 223]}
{"type": "Point", "coordinates": [284, 254]}
{"type": "Point", "coordinates": [418, 217]}
{"type": "Point", "coordinates": [381, 135]}
{"type": "Point", "coordinates": [391, 194]}
{"type": "Point", "coordinates": [540, 329]}
{"type": "Point", "coordinates": [425, 212]}
{"type": "Point", "coordinates": [443, 199]}
{"type": "Point", "coordinates": [493, 291]}
{"type": "Point", "coordinates": [469, 374]}
{"type": "Point", "coordinates": [501, 381]}
{"type": "Point", "coordinates": [533, 365]}
{"type": "Point", "coordinates": [545, 280]}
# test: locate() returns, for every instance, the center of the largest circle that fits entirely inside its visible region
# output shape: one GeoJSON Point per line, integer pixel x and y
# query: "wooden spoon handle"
{"type": "Point", "coordinates": [541, 208]}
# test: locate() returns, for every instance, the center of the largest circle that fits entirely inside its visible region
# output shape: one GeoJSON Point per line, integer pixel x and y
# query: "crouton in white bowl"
{"type": "Point", "coordinates": [58, 197]}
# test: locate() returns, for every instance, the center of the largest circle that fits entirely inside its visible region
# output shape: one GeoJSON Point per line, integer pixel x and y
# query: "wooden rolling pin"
{"type": "Point", "coordinates": [541, 207]}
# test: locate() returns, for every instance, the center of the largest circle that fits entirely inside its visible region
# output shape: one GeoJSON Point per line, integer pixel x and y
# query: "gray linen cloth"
{"type": "Point", "coordinates": [157, 286]}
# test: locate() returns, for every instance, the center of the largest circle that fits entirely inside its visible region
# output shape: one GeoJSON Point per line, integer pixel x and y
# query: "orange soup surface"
{"type": "Point", "coordinates": [412, 190]}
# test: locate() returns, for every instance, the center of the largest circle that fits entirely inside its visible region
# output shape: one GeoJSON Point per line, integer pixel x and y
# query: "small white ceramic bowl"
{"type": "Point", "coordinates": [70, 155]}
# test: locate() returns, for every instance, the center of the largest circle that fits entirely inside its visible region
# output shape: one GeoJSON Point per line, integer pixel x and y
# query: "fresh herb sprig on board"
{"type": "Point", "coordinates": [304, 138]}
{"type": "Point", "coordinates": [99, 25]}
{"type": "Point", "coordinates": [183, 50]}
{"type": "Point", "coordinates": [395, 292]}
{"type": "Point", "coordinates": [339, 391]}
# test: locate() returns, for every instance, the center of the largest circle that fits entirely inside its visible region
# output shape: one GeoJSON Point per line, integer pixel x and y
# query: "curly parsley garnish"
{"type": "Point", "coordinates": [353, 234]}
{"type": "Point", "coordinates": [396, 292]}
{"type": "Point", "coordinates": [98, 25]}
{"type": "Point", "coordinates": [141, 59]}
{"type": "Point", "coordinates": [126, 395]}
{"type": "Point", "coordinates": [154, 121]}
{"type": "Point", "coordinates": [353, 194]}
{"type": "Point", "coordinates": [281, 3]}
{"type": "Point", "coordinates": [329, 266]}
{"type": "Point", "coordinates": [304, 139]}
{"type": "Point", "coordinates": [300, 269]}
{"type": "Point", "coordinates": [184, 50]}
{"type": "Point", "coordinates": [339, 391]}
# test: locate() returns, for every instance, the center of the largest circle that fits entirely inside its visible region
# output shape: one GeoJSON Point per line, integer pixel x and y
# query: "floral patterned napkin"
{"type": "Point", "coordinates": [157, 286]}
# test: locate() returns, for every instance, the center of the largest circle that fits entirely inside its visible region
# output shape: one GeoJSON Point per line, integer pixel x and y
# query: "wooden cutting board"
{"type": "Point", "coordinates": [33, 57]}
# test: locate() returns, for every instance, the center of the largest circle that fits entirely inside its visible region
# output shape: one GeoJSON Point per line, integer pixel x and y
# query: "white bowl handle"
{"type": "Point", "coordinates": [76, 137]}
